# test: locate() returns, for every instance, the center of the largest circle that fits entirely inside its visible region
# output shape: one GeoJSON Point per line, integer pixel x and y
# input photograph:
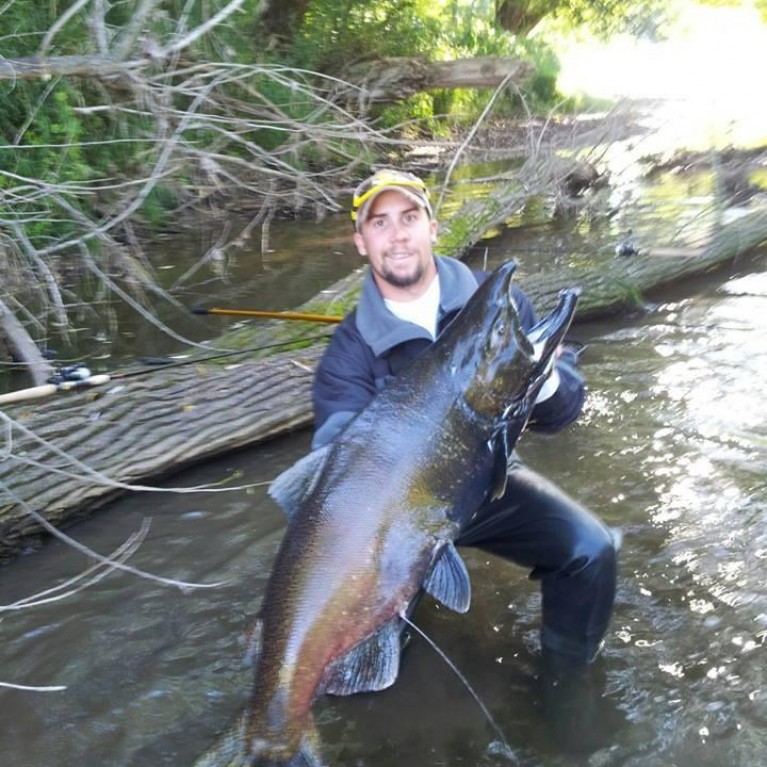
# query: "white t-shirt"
{"type": "Point", "coordinates": [422, 311]}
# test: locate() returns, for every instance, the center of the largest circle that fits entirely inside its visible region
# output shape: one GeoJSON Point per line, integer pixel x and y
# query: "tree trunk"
{"type": "Point", "coordinates": [520, 18]}
{"type": "Point", "coordinates": [69, 454]}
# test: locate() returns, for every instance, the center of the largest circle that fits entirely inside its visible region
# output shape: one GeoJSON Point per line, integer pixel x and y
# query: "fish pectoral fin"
{"type": "Point", "coordinates": [448, 580]}
{"type": "Point", "coordinates": [501, 449]}
{"type": "Point", "coordinates": [253, 642]}
{"type": "Point", "coordinates": [295, 483]}
{"type": "Point", "coordinates": [502, 444]}
{"type": "Point", "coordinates": [369, 666]}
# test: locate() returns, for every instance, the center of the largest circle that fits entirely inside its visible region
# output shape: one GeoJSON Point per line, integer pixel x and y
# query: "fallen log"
{"type": "Point", "coordinates": [68, 455]}
{"type": "Point", "coordinates": [612, 284]}
{"type": "Point", "coordinates": [392, 79]}
{"type": "Point", "coordinates": [75, 452]}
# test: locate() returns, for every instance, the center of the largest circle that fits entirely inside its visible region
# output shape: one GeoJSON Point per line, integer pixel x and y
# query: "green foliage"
{"type": "Point", "coordinates": [161, 201]}
{"type": "Point", "coordinates": [40, 130]}
{"type": "Point", "coordinates": [336, 34]}
{"type": "Point", "coordinates": [641, 18]}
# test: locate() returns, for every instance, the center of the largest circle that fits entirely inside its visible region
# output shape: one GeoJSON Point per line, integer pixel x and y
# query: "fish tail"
{"type": "Point", "coordinates": [237, 749]}
{"type": "Point", "coordinates": [262, 755]}
{"type": "Point", "coordinates": [263, 752]}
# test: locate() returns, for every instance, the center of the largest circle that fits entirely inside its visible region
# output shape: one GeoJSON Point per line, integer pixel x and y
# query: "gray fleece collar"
{"type": "Point", "coordinates": [382, 331]}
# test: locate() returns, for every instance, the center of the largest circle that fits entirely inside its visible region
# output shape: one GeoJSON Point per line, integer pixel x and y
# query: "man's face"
{"type": "Point", "coordinates": [397, 240]}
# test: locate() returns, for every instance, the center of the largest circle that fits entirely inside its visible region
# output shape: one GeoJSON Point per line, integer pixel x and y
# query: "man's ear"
{"type": "Point", "coordinates": [360, 243]}
{"type": "Point", "coordinates": [434, 225]}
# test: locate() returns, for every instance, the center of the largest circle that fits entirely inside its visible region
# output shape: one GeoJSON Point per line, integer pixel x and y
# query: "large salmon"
{"type": "Point", "coordinates": [373, 516]}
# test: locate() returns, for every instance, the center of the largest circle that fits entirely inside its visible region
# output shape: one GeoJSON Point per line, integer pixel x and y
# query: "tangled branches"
{"type": "Point", "coordinates": [140, 128]}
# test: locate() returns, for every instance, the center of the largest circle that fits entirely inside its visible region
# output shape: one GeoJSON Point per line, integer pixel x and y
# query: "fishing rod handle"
{"type": "Point", "coordinates": [46, 390]}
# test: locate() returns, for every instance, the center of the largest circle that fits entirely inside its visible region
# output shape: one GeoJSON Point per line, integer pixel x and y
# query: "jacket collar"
{"type": "Point", "coordinates": [382, 331]}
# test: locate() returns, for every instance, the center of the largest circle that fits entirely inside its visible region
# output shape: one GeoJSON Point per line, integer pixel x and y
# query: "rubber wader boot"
{"type": "Point", "coordinates": [578, 716]}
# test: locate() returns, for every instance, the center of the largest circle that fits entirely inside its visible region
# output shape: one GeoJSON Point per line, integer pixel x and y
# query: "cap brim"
{"type": "Point", "coordinates": [362, 212]}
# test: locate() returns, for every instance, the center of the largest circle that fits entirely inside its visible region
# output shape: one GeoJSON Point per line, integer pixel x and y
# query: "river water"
{"type": "Point", "coordinates": [671, 448]}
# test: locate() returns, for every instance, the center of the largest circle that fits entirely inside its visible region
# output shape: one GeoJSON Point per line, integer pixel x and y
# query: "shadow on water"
{"type": "Point", "coordinates": [671, 448]}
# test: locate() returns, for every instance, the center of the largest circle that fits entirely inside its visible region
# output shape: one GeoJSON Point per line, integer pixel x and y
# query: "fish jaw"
{"type": "Point", "coordinates": [515, 364]}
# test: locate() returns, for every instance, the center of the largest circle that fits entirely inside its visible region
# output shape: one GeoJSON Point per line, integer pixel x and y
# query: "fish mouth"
{"type": "Point", "coordinates": [549, 333]}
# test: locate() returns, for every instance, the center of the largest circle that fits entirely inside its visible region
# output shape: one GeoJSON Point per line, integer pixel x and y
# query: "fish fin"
{"type": "Point", "coordinates": [448, 580]}
{"type": "Point", "coordinates": [501, 445]}
{"type": "Point", "coordinates": [259, 751]}
{"type": "Point", "coordinates": [253, 642]}
{"type": "Point", "coordinates": [369, 666]}
{"type": "Point", "coordinates": [499, 448]}
{"type": "Point", "coordinates": [309, 751]}
{"type": "Point", "coordinates": [295, 483]}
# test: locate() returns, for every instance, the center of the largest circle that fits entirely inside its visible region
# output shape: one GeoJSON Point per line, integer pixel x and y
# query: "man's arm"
{"type": "Point", "coordinates": [561, 399]}
{"type": "Point", "coordinates": [344, 384]}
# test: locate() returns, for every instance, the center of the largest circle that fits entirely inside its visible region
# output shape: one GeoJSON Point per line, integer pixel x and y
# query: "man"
{"type": "Point", "coordinates": [408, 296]}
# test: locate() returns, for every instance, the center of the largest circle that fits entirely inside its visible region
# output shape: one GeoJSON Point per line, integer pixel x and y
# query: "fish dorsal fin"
{"type": "Point", "coordinates": [294, 484]}
{"type": "Point", "coordinates": [369, 666]}
{"type": "Point", "coordinates": [448, 580]}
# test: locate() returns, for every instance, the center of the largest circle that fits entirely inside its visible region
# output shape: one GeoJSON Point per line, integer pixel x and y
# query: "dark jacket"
{"type": "Point", "coordinates": [371, 345]}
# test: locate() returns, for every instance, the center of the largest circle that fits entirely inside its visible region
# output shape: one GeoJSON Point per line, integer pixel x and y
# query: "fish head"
{"type": "Point", "coordinates": [506, 365]}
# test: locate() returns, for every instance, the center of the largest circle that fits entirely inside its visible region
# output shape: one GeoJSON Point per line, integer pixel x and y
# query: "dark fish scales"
{"type": "Point", "coordinates": [373, 516]}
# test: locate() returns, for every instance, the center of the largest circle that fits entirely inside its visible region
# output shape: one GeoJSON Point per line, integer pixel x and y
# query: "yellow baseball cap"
{"type": "Point", "coordinates": [388, 180]}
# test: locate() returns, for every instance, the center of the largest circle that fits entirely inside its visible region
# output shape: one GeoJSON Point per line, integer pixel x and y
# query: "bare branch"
{"type": "Point", "coordinates": [32, 688]}
{"type": "Point", "coordinates": [44, 270]}
{"type": "Point", "coordinates": [129, 35]}
{"type": "Point", "coordinates": [58, 25]}
{"type": "Point", "coordinates": [203, 29]}
{"type": "Point", "coordinates": [23, 348]}
{"type": "Point", "coordinates": [86, 578]}
{"type": "Point", "coordinates": [102, 560]}
{"type": "Point", "coordinates": [97, 67]}
{"type": "Point", "coordinates": [89, 475]}
{"type": "Point", "coordinates": [99, 27]}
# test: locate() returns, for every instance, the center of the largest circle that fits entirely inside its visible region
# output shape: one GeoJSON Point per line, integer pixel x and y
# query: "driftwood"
{"type": "Point", "coordinates": [382, 80]}
{"type": "Point", "coordinates": [67, 455]}
{"type": "Point", "coordinates": [95, 66]}
{"type": "Point", "coordinates": [393, 79]}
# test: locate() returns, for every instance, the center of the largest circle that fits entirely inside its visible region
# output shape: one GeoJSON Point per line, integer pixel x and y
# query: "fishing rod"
{"type": "Point", "coordinates": [301, 316]}
{"type": "Point", "coordinates": [78, 376]}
